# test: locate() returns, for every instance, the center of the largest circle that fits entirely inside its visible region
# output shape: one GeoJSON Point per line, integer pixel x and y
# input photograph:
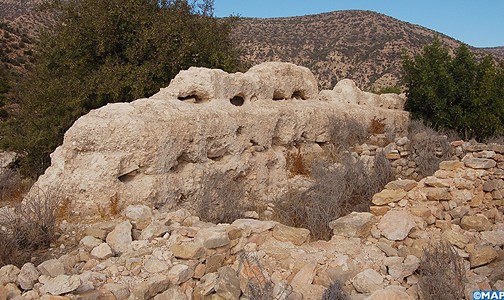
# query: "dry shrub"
{"type": "Point", "coordinates": [441, 273]}
{"type": "Point", "coordinates": [377, 126]}
{"type": "Point", "coordinates": [295, 164]}
{"type": "Point", "coordinates": [347, 133]}
{"type": "Point", "coordinates": [28, 228]}
{"type": "Point", "coordinates": [335, 292]}
{"type": "Point", "coordinates": [259, 285]}
{"type": "Point", "coordinates": [221, 198]}
{"type": "Point", "coordinates": [336, 191]}
{"type": "Point", "coordinates": [429, 146]}
{"type": "Point", "coordinates": [12, 187]}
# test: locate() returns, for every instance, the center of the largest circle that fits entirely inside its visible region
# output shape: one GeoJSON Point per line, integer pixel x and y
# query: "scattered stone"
{"type": "Point", "coordinates": [61, 284]}
{"type": "Point", "coordinates": [401, 184]}
{"type": "Point", "coordinates": [28, 276]}
{"type": "Point", "coordinates": [389, 294]}
{"type": "Point", "coordinates": [396, 225]}
{"type": "Point", "coordinates": [356, 224]}
{"type": "Point", "coordinates": [120, 238]}
{"type": "Point", "coordinates": [367, 281]}
{"type": "Point", "coordinates": [388, 196]}
{"type": "Point", "coordinates": [154, 265]}
{"type": "Point", "coordinates": [482, 256]}
{"type": "Point", "coordinates": [493, 184]}
{"type": "Point", "coordinates": [476, 222]}
{"type": "Point", "coordinates": [154, 230]}
{"type": "Point", "coordinates": [52, 268]}
{"type": "Point", "coordinates": [8, 274]}
{"type": "Point", "coordinates": [188, 250]}
{"type": "Point", "coordinates": [494, 238]}
{"type": "Point", "coordinates": [173, 293]}
{"type": "Point", "coordinates": [450, 165]}
{"type": "Point", "coordinates": [179, 273]}
{"type": "Point", "coordinates": [154, 285]}
{"type": "Point", "coordinates": [227, 284]}
{"type": "Point", "coordinates": [479, 163]}
{"type": "Point", "coordinates": [120, 291]}
{"type": "Point", "coordinates": [455, 238]}
{"type": "Point", "coordinates": [285, 233]}
{"type": "Point", "coordinates": [212, 238]}
{"type": "Point", "coordinates": [102, 251]}
{"type": "Point", "coordinates": [304, 276]}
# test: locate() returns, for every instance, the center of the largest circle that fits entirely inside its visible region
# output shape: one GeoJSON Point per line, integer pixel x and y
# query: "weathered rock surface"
{"type": "Point", "coordinates": [161, 150]}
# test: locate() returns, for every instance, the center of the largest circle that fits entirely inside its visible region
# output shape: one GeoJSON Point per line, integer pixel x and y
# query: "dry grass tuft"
{"type": "Point", "coordinates": [442, 273]}
{"type": "Point", "coordinates": [377, 126]}
{"type": "Point", "coordinates": [335, 292]}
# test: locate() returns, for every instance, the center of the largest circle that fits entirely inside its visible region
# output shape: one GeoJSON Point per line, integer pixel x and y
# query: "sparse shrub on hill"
{"type": "Point", "coordinates": [337, 190]}
{"type": "Point", "coordinates": [28, 229]}
{"type": "Point", "coordinates": [221, 198]}
{"type": "Point", "coordinates": [430, 147]}
{"type": "Point", "coordinates": [108, 51]}
{"type": "Point", "coordinates": [458, 93]}
{"type": "Point", "coordinates": [441, 273]}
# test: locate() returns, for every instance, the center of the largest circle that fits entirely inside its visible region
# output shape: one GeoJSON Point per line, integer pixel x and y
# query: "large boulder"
{"type": "Point", "coordinates": [161, 151]}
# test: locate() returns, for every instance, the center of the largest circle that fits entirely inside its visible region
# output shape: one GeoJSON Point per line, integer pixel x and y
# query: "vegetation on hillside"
{"type": "Point", "coordinates": [456, 92]}
{"type": "Point", "coordinates": [108, 51]}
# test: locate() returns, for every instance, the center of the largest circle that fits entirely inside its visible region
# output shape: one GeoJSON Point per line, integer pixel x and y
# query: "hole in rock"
{"type": "Point", "coordinates": [126, 177]}
{"type": "Point", "coordinates": [191, 99]}
{"type": "Point", "coordinates": [277, 95]}
{"type": "Point", "coordinates": [237, 100]}
{"type": "Point", "coordinates": [298, 95]}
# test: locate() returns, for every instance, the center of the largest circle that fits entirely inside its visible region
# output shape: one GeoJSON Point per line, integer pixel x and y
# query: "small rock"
{"type": "Point", "coordinates": [396, 225]}
{"type": "Point", "coordinates": [495, 238]}
{"type": "Point", "coordinates": [476, 222]}
{"type": "Point", "coordinates": [173, 293]}
{"type": "Point", "coordinates": [89, 242]}
{"type": "Point", "coordinates": [356, 224]}
{"type": "Point", "coordinates": [120, 291]}
{"type": "Point", "coordinates": [304, 276]}
{"type": "Point", "coordinates": [102, 251]}
{"type": "Point", "coordinates": [52, 267]}
{"type": "Point", "coordinates": [154, 265]}
{"type": "Point", "coordinates": [120, 238]}
{"type": "Point", "coordinates": [28, 276]}
{"type": "Point", "coordinates": [61, 284]}
{"type": "Point", "coordinates": [479, 163]}
{"type": "Point", "coordinates": [137, 212]}
{"type": "Point", "coordinates": [437, 194]}
{"type": "Point", "coordinates": [212, 238]}
{"type": "Point", "coordinates": [188, 250]}
{"type": "Point", "coordinates": [389, 293]}
{"type": "Point", "coordinates": [179, 273]}
{"type": "Point", "coordinates": [401, 184]}
{"type": "Point", "coordinates": [154, 285]}
{"type": "Point", "coordinates": [285, 233]}
{"type": "Point", "coordinates": [492, 185]}
{"type": "Point", "coordinates": [450, 165]}
{"type": "Point", "coordinates": [8, 274]}
{"type": "Point", "coordinates": [367, 281]}
{"type": "Point", "coordinates": [154, 230]}
{"type": "Point", "coordinates": [227, 284]}
{"type": "Point", "coordinates": [482, 256]}
{"type": "Point", "coordinates": [455, 238]}
{"type": "Point", "coordinates": [388, 196]}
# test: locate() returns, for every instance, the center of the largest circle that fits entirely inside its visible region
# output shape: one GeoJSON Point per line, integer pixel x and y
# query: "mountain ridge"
{"type": "Point", "coordinates": [362, 45]}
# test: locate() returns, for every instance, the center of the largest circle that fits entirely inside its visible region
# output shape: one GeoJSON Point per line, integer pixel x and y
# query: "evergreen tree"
{"type": "Point", "coordinates": [456, 93]}
{"type": "Point", "coordinates": [106, 51]}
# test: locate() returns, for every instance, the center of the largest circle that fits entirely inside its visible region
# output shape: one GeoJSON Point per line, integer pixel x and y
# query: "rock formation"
{"type": "Point", "coordinates": [161, 151]}
{"type": "Point", "coordinates": [148, 254]}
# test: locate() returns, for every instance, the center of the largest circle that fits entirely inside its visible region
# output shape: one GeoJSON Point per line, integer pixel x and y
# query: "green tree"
{"type": "Point", "coordinates": [106, 51]}
{"type": "Point", "coordinates": [430, 85]}
{"type": "Point", "coordinates": [458, 93]}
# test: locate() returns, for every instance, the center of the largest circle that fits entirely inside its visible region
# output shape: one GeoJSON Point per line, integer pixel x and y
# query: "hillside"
{"type": "Point", "coordinates": [364, 46]}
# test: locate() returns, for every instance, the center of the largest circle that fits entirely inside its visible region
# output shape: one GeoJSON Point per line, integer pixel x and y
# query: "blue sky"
{"type": "Point", "coordinates": [479, 23]}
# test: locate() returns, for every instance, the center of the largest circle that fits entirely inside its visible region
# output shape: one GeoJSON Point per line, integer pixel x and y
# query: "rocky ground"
{"type": "Point", "coordinates": [146, 254]}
